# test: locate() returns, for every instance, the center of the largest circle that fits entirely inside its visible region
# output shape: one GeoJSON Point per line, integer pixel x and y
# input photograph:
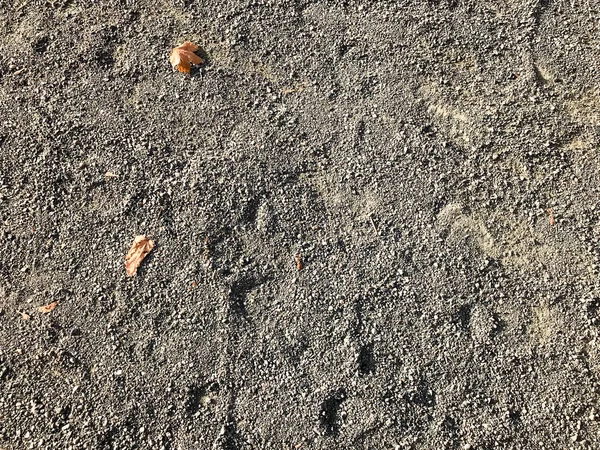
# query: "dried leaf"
{"type": "Point", "coordinates": [47, 308]}
{"type": "Point", "coordinates": [298, 88]}
{"type": "Point", "coordinates": [551, 217]}
{"type": "Point", "coordinates": [138, 251]}
{"type": "Point", "coordinates": [299, 263]}
{"type": "Point", "coordinates": [182, 56]}
{"type": "Point", "coordinates": [24, 315]}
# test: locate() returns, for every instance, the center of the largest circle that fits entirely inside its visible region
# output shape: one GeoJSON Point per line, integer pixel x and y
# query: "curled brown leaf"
{"type": "Point", "coordinates": [139, 250]}
{"type": "Point", "coordinates": [182, 56]}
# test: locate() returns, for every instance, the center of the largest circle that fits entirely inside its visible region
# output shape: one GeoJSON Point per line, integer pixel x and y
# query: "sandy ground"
{"type": "Point", "coordinates": [434, 164]}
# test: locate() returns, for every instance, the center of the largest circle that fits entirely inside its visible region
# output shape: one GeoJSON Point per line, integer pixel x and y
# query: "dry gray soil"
{"type": "Point", "coordinates": [434, 163]}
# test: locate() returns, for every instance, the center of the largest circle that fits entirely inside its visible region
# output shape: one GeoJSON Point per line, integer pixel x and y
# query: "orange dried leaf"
{"type": "Point", "coordinates": [551, 217]}
{"type": "Point", "coordinates": [299, 263]}
{"type": "Point", "coordinates": [183, 55]}
{"type": "Point", "coordinates": [138, 251]}
{"type": "Point", "coordinates": [47, 308]}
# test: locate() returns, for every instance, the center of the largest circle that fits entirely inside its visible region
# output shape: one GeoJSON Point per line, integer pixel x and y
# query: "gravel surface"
{"type": "Point", "coordinates": [434, 164]}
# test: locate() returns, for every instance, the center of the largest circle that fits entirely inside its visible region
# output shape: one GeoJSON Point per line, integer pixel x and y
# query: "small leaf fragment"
{"type": "Point", "coordinates": [297, 88]}
{"type": "Point", "coordinates": [139, 250]}
{"type": "Point", "coordinates": [47, 308]}
{"type": "Point", "coordinates": [299, 263]}
{"type": "Point", "coordinates": [182, 56]}
{"type": "Point", "coordinates": [24, 315]}
{"type": "Point", "coordinates": [551, 218]}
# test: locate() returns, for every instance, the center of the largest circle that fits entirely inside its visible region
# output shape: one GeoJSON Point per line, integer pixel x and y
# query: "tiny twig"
{"type": "Point", "coordinates": [373, 224]}
{"type": "Point", "coordinates": [19, 8]}
{"type": "Point", "coordinates": [20, 71]}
